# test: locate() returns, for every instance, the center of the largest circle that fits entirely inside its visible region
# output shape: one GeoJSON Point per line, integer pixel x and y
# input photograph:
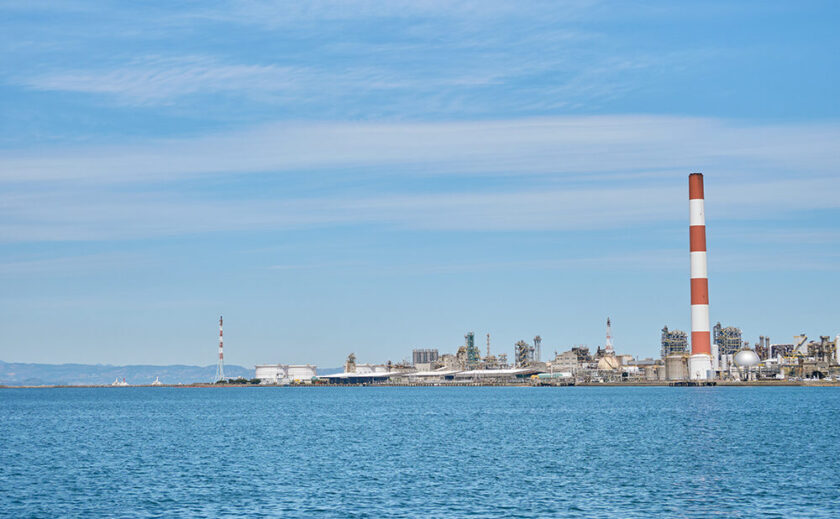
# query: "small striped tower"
{"type": "Point", "coordinates": [608, 346]}
{"type": "Point", "coordinates": [700, 361]}
{"type": "Point", "coordinates": [220, 370]}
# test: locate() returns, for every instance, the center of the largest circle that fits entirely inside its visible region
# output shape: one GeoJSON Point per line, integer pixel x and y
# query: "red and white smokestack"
{"type": "Point", "coordinates": [220, 369]}
{"type": "Point", "coordinates": [700, 362]}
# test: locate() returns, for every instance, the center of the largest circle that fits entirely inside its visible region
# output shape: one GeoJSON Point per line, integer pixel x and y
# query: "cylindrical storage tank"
{"type": "Point", "coordinates": [660, 372]}
{"type": "Point", "coordinates": [650, 372]}
{"type": "Point", "coordinates": [675, 367]}
{"type": "Point", "coordinates": [270, 373]}
{"type": "Point", "coordinates": [837, 348]}
{"type": "Point", "coordinates": [302, 373]}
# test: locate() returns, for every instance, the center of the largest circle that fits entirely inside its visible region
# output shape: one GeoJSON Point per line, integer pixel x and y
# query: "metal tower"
{"type": "Point", "coordinates": [523, 354]}
{"type": "Point", "coordinates": [538, 348]}
{"type": "Point", "coordinates": [220, 370]}
{"type": "Point", "coordinates": [473, 353]}
{"type": "Point", "coordinates": [488, 344]}
{"type": "Point", "coordinates": [608, 346]}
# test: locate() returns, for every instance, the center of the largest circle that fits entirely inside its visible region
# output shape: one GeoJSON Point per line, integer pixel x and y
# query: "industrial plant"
{"type": "Point", "coordinates": [712, 356]}
{"type": "Point", "coordinates": [800, 360]}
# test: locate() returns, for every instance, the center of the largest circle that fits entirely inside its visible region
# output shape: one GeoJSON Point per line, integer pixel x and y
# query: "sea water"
{"type": "Point", "coordinates": [420, 452]}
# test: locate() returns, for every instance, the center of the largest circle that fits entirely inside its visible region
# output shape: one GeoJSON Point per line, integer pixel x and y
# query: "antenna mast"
{"type": "Point", "coordinates": [608, 347]}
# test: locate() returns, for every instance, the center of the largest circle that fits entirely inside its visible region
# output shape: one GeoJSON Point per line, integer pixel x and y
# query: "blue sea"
{"type": "Point", "coordinates": [420, 452]}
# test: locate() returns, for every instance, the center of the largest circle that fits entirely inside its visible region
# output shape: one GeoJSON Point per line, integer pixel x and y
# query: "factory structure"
{"type": "Point", "coordinates": [467, 366]}
{"type": "Point", "coordinates": [704, 357]}
{"type": "Point", "coordinates": [802, 359]}
{"type": "Point", "coordinates": [734, 359]}
{"type": "Point", "coordinates": [720, 353]}
{"type": "Point", "coordinates": [285, 373]}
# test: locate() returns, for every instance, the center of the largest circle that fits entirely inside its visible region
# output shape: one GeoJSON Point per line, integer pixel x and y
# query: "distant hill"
{"type": "Point", "coordinates": [25, 374]}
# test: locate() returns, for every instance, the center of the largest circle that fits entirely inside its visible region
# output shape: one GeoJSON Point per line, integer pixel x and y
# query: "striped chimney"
{"type": "Point", "coordinates": [700, 332]}
{"type": "Point", "coordinates": [220, 370]}
{"type": "Point", "coordinates": [221, 342]}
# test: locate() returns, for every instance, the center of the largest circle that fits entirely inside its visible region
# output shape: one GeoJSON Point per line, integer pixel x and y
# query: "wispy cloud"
{"type": "Point", "coordinates": [794, 237]}
{"type": "Point", "coordinates": [429, 86]}
{"type": "Point", "coordinates": [437, 59]}
{"type": "Point", "coordinates": [270, 13]}
{"type": "Point", "coordinates": [636, 261]}
{"type": "Point", "coordinates": [583, 173]}
{"type": "Point", "coordinates": [161, 79]}
{"type": "Point", "coordinates": [73, 264]}
{"type": "Point", "coordinates": [108, 215]}
{"type": "Point", "coordinates": [559, 146]}
{"type": "Point", "coordinates": [643, 261]}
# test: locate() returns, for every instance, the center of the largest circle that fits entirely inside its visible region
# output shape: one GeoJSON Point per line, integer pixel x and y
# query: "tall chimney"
{"type": "Point", "coordinates": [700, 362]}
{"type": "Point", "coordinates": [220, 369]}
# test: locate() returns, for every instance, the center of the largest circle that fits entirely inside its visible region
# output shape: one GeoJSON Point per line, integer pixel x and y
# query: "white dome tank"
{"type": "Point", "coordinates": [746, 359]}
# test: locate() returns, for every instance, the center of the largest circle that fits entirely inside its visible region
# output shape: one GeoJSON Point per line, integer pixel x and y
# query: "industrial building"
{"type": "Point", "coordinates": [465, 366]}
{"type": "Point", "coordinates": [568, 361]}
{"type": "Point", "coordinates": [711, 355]}
{"type": "Point", "coordinates": [425, 356]}
{"type": "Point", "coordinates": [728, 339]}
{"type": "Point", "coordinates": [582, 353]}
{"type": "Point", "coordinates": [763, 347]}
{"type": "Point", "coordinates": [801, 360]}
{"type": "Point", "coordinates": [523, 353]}
{"type": "Point", "coordinates": [285, 373]}
{"type": "Point", "coordinates": [356, 378]}
{"type": "Point", "coordinates": [676, 367]}
{"type": "Point", "coordinates": [472, 352]}
{"type": "Point", "coordinates": [673, 342]}
{"type": "Point", "coordinates": [490, 361]}
{"type": "Point", "coordinates": [806, 360]}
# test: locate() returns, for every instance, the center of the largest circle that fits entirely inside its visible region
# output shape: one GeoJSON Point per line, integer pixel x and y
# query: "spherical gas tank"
{"type": "Point", "coordinates": [746, 359]}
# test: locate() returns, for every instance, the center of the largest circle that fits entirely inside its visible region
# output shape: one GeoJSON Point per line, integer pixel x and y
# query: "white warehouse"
{"type": "Point", "coordinates": [285, 373]}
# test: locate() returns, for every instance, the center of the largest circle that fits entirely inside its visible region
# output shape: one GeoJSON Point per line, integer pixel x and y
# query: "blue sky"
{"type": "Point", "coordinates": [342, 176]}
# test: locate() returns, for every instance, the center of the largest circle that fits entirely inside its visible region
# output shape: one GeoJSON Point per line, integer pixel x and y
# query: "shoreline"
{"type": "Point", "coordinates": [719, 383]}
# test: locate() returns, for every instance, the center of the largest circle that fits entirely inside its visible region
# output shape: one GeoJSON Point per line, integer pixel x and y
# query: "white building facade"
{"type": "Point", "coordinates": [285, 373]}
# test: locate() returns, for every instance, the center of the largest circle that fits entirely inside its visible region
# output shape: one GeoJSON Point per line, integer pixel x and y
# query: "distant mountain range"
{"type": "Point", "coordinates": [25, 374]}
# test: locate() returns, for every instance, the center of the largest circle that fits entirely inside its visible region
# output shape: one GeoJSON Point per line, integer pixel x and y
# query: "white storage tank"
{"type": "Point", "coordinates": [301, 373]}
{"type": "Point", "coordinates": [270, 373]}
{"type": "Point", "coordinates": [746, 358]}
{"type": "Point", "coordinates": [675, 367]}
{"type": "Point", "coordinates": [285, 373]}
